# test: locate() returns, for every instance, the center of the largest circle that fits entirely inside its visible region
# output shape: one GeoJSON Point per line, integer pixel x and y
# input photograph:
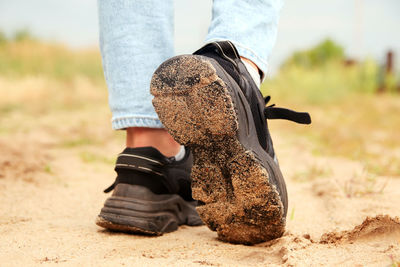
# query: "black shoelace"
{"type": "Point", "coordinates": [271, 112]}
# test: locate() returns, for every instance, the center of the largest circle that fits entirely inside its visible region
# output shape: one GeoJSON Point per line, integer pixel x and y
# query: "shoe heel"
{"type": "Point", "coordinates": [192, 101]}
{"type": "Point", "coordinates": [136, 209]}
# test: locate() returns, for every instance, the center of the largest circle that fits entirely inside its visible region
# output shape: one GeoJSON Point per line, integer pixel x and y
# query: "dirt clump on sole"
{"type": "Point", "coordinates": [197, 108]}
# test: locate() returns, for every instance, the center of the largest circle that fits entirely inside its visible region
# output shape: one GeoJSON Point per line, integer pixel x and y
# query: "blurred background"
{"type": "Point", "coordinates": [364, 28]}
{"type": "Point", "coordinates": [337, 59]}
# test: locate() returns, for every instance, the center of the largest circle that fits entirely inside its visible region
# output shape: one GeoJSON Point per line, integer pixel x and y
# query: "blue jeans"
{"type": "Point", "coordinates": [136, 36]}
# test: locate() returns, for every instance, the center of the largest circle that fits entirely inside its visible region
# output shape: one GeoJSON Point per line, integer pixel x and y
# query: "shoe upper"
{"type": "Point", "coordinates": [251, 110]}
{"type": "Point", "coordinates": [146, 166]}
{"type": "Point", "coordinates": [227, 56]}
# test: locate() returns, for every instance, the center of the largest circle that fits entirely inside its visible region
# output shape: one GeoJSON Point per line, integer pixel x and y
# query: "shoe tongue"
{"type": "Point", "coordinates": [211, 52]}
{"type": "Point", "coordinates": [147, 151]}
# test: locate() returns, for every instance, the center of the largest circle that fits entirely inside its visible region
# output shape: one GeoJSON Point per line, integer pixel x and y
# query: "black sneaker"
{"type": "Point", "coordinates": [152, 194]}
{"type": "Point", "coordinates": [209, 102]}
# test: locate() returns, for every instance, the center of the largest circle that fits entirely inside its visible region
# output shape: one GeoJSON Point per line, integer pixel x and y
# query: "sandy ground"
{"type": "Point", "coordinates": [54, 165]}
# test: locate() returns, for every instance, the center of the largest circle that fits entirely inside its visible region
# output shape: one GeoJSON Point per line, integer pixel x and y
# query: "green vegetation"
{"type": "Point", "coordinates": [3, 38]}
{"type": "Point", "coordinates": [48, 169]}
{"type": "Point", "coordinates": [326, 84]}
{"type": "Point", "coordinates": [24, 55]}
{"type": "Point", "coordinates": [23, 36]}
{"type": "Point", "coordinates": [292, 214]}
{"type": "Point", "coordinates": [322, 75]}
{"type": "Point", "coordinates": [350, 117]}
{"type": "Point", "coordinates": [318, 56]}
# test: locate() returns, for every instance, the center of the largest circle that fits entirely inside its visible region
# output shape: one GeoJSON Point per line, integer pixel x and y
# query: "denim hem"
{"type": "Point", "coordinates": [136, 121]}
{"type": "Point", "coordinates": [247, 53]}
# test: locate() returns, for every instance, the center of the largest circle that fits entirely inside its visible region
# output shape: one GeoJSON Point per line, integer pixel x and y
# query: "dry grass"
{"type": "Point", "coordinates": [52, 89]}
{"type": "Point", "coordinates": [312, 173]}
{"type": "Point", "coordinates": [347, 121]}
{"type": "Point", "coordinates": [363, 185]}
{"type": "Point", "coordinates": [30, 58]}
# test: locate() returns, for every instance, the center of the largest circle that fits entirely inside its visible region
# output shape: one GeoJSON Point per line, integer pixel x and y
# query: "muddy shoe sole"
{"type": "Point", "coordinates": [144, 212]}
{"type": "Point", "coordinates": [231, 175]}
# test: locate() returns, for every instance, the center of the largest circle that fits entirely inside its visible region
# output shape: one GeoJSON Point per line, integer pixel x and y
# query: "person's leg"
{"type": "Point", "coordinates": [135, 37]}
{"type": "Point", "coordinates": [158, 138]}
{"type": "Point", "coordinates": [210, 101]}
{"type": "Point", "coordinates": [250, 25]}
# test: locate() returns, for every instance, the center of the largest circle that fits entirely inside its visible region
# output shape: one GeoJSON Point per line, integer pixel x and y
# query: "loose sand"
{"type": "Point", "coordinates": [55, 162]}
{"type": "Point", "coordinates": [47, 217]}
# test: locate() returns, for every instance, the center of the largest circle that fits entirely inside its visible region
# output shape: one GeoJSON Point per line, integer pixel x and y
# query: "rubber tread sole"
{"type": "Point", "coordinates": [196, 107]}
{"type": "Point", "coordinates": [141, 211]}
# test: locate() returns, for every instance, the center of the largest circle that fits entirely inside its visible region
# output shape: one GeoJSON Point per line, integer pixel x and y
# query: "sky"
{"type": "Point", "coordinates": [363, 27]}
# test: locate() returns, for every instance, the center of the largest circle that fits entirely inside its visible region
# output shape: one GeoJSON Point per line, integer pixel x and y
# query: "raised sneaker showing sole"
{"type": "Point", "coordinates": [144, 212]}
{"type": "Point", "coordinates": [231, 172]}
